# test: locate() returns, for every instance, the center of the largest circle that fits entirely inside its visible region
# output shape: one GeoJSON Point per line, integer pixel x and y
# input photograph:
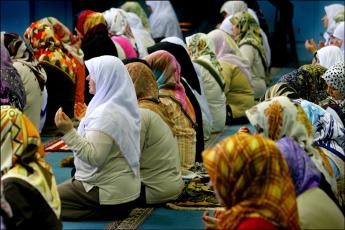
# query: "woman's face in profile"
{"type": "Point", "coordinates": [92, 85]}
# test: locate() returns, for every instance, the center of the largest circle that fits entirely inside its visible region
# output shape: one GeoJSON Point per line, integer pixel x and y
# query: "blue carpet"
{"type": "Point", "coordinates": [85, 225]}
{"type": "Point", "coordinates": [164, 218]}
{"type": "Point", "coordinates": [54, 158]}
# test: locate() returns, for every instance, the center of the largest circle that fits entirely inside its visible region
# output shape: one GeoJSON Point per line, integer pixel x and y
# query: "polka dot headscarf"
{"type": "Point", "coordinates": [335, 76]}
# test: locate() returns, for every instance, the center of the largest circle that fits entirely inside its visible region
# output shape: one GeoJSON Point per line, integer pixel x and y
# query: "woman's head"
{"type": "Point", "coordinates": [144, 81]}
{"type": "Point", "coordinates": [252, 179]}
{"type": "Point", "coordinates": [90, 22]}
{"type": "Point", "coordinates": [279, 117]}
{"type": "Point", "coordinates": [329, 55]}
{"type": "Point", "coordinates": [337, 38]}
{"type": "Point", "coordinates": [20, 140]}
{"type": "Point", "coordinates": [335, 79]}
{"type": "Point", "coordinates": [232, 7]}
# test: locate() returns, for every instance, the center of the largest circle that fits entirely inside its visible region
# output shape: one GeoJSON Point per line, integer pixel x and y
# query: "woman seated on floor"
{"type": "Point", "coordinates": [31, 72]}
{"type": "Point", "coordinates": [58, 51]}
{"type": "Point", "coordinates": [323, 214]}
{"type": "Point", "coordinates": [202, 53]}
{"type": "Point", "coordinates": [280, 117]}
{"type": "Point", "coordinates": [167, 73]}
{"type": "Point", "coordinates": [192, 88]}
{"type": "Point", "coordinates": [160, 169]}
{"type": "Point", "coordinates": [258, 193]}
{"type": "Point", "coordinates": [106, 147]}
{"type": "Point", "coordinates": [29, 195]}
{"type": "Point", "coordinates": [238, 80]}
{"type": "Point", "coordinates": [247, 36]}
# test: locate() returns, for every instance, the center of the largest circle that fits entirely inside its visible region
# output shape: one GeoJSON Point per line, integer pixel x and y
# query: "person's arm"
{"type": "Point", "coordinates": [248, 52]}
{"type": "Point", "coordinates": [93, 149]}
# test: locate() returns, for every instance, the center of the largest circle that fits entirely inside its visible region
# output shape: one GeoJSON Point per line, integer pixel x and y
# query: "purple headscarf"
{"type": "Point", "coordinates": [12, 90]}
{"type": "Point", "coordinates": [302, 170]}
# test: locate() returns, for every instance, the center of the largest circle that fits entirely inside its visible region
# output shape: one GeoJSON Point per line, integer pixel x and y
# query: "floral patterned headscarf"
{"type": "Point", "coordinates": [202, 51]}
{"type": "Point", "coordinates": [249, 33]}
{"type": "Point", "coordinates": [307, 82]}
{"type": "Point", "coordinates": [251, 178]}
{"type": "Point", "coordinates": [55, 45]}
{"type": "Point", "coordinates": [280, 117]}
{"type": "Point", "coordinates": [22, 156]}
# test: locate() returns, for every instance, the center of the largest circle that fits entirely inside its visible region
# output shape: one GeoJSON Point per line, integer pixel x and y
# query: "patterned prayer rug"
{"type": "Point", "coordinates": [133, 221]}
{"type": "Point", "coordinates": [196, 195]}
{"type": "Point", "coordinates": [55, 144]}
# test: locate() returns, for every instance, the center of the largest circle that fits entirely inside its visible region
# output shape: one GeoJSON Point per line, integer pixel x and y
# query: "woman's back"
{"type": "Point", "coordinates": [160, 169]}
{"type": "Point", "coordinates": [238, 91]}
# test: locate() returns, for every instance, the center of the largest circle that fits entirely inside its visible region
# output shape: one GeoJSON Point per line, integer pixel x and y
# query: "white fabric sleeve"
{"type": "Point", "coordinates": [92, 149]}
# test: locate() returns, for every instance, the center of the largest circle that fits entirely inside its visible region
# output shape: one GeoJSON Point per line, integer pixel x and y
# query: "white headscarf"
{"type": "Point", "coordinates": [163, 20]}
{"type": "Point", "coordinates": [139, 31]}
{"type": "Point", "coordinates": [175, 40]}
{"type": "Point", "coordinates": [114, 108]}
{"type": "Point", "coordinates": [232, 7]}
{"type": "Point", "coordinates": [329, 55]}
{"type": "Point", "coordinates": [331, 11]}
{"type": "Point", "coordinates": [339, 33]}
{"type": "Point", "coordinates": [226, 25]}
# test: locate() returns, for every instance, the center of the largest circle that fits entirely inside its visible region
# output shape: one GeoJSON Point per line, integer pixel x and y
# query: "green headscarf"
{"type": "Point", "coordinates": [249, 33]}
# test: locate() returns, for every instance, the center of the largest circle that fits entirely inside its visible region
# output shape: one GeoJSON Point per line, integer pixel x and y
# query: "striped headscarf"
{"type": "Point", "coordinates": [202, 51]}
{"type": "Point", "coordinates": [146, 89]}
{"type": "Point", "coordinates": [19, 52]}
{"type": "Point", "coordinates": [307, 82]}
{"type": "Point", "coordinates": [249, 33]}
{"type": "Point", "coordinates": [53, 44]}
{"type": "Point", "coordinates": [167, 73]}
{"type": "Point", "coordinates": [251, 178]}
{"type": "Point", "coordinates": [22, 155]}
{"type": "Point", "coordinates": [280, 117]}
{"type": "Point", "coordinates": [302, 170]}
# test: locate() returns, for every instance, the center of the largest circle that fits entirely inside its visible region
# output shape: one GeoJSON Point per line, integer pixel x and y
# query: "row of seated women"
{"type": "Point", "coordinates": [312, 169]}
{"type": "Point", "coordinates": [166, 98]}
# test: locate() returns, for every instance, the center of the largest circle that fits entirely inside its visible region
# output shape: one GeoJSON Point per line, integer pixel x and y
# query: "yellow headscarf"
{"type": "Point", "coordinates": [252, 179]}
{"type": "Point", "coordinates": [22, 156]}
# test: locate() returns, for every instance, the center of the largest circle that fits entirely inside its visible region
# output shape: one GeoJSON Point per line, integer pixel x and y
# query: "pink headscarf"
{"type": "Point", "coordinates": [126, 46]}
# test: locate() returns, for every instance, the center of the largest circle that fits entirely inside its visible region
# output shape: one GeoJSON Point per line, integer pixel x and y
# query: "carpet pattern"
{"type": "Point", "coordinates": [55, 144]}
{"type": "Point", "coordinates": [133, 221]}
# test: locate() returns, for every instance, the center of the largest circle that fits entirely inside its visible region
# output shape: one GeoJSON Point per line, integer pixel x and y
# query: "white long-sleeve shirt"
{"type": "Point", "coordinates": [99, 162]}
